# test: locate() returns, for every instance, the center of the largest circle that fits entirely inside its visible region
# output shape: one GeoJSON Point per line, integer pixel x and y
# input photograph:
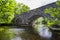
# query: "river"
{"type": "Point", "coordinates": [22, 34]}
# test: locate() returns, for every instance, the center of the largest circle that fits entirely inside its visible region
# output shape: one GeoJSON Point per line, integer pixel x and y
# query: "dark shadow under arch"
{"type": "Point", "coordinates": [33, 18]}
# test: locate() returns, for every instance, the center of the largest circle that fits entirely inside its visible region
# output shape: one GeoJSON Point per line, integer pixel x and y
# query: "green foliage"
{"type": "Point", "coordinates": [38, 23]}
{"type": "Point", "coordinates": [21, 8]}
{"type": "Point", "coordinates": [7, 10]}
{"type": "Point", "coordinates": [6, 34]}
{"type": "Point", "coordinates": [58, 3]}
{"type": "Point", "coordinates": [54, 13]}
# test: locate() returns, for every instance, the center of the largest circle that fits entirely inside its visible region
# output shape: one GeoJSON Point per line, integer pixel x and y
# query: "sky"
{"type": "Point", "coordinates": [33, 4]}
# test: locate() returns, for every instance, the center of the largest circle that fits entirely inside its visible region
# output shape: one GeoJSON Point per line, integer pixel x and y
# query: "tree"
{"type": "Point", "coordinates": [21, 8]}
{"type": "Point", "coordinates": [54, 12]}
{"type": "Point", "coordinates": [7, 10]}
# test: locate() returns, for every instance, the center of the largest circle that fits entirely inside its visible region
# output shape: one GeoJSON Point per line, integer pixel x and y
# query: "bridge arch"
{"type": "Point", "coordinates": [33, 18]}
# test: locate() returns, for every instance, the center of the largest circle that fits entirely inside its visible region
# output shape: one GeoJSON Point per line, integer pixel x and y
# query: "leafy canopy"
{"type": "Point", "coordinates": [20, 8]}
{"type": "Point", "coordinates": [8, 8]}
{"type": "Point", "coordinates": [54, 13]}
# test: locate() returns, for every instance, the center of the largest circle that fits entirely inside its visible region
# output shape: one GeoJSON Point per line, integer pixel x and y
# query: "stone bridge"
{"type": "Point", "coordinates": [26, 18]}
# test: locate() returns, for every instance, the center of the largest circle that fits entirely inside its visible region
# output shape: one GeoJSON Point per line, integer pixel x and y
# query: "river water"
{"type": "Point", "coordinates": [22, 34]}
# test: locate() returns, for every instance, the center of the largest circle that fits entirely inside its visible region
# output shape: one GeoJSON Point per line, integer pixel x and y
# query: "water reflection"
{"type": "Point", "coordinates": [44, 31]}
{"type": "Point", "coordinates": [22, 34]}
{"type": "Point", "coordinates": [17, 38]}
